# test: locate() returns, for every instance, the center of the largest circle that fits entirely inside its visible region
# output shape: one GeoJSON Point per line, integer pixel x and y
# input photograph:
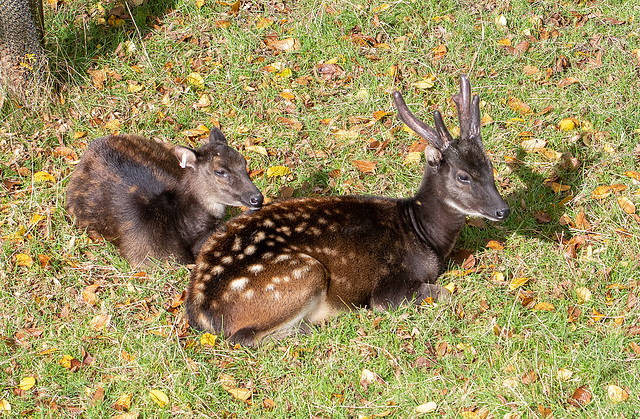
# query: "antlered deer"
{"type": "Point", "coordinates": [298, 262]}
{"type": "Point", "coordinates": [155, 200]}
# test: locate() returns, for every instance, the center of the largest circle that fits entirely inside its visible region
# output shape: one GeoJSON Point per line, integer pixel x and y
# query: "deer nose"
{"type": "Point", "coordinates": [502, 213]}
{"type": "Point", "coordinates": [256, 200]}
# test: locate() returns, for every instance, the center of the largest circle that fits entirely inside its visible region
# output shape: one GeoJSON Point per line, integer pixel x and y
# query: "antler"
{"type": "Point", "coordinates": [436, 139]}
{"type": "Point", "coordinates": [468, 111]}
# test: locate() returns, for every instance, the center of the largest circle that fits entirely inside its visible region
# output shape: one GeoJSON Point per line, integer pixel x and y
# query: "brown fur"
{"type": "Point", "coordinates": [304, 260]}
{"type": "Point", "coordinates": [134, 192]}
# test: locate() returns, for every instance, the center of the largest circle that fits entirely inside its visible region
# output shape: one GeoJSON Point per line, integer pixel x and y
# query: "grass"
{"type": "Point", "coordinates": [491, 352]}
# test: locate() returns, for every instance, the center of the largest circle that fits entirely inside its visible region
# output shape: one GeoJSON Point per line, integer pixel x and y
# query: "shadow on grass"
{"type": "Point", "coordinates": [72, 52]}
{"type": "Point", "coordinates": [535, 208]}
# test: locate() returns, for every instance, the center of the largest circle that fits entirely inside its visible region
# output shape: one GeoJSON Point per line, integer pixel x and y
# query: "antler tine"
{"type": "Point", "coordinates": [462, 101]}
{"type": "Point", "coordinates": [475, 117]}
{"type": "Point", "coordinates": [415, 124]}
{"type": "Point", "coordinates": [441, 128]}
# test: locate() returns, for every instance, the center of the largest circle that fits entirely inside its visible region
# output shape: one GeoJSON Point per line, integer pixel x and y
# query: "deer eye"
{"type": "Point", "coordinates": [220, 173]}
{"type": "Point", "coordinates": [464, 177]}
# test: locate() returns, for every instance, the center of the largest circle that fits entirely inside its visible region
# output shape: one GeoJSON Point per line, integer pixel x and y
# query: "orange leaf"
{"type": "Point", "coordinates": [633, 175]}
{"type": "Point", "coordinates": [495, 245]}
{"type": "Point", "coordinates": [364, 166]}
{"type": "Point", "coordinates": [601, 192]}
{"type": "Point", "coordinates": [439, 51]}
{"type": "Point", "coordinates": [626, 205]}
{"type": "Point", "coordinates": [519, 106]}
{"type": "Point", "coordinates": [568, 81]}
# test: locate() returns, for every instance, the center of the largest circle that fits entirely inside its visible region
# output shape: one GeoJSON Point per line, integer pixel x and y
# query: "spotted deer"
{"type": "Point", "coordinates": [153, 200]}
{"type": "Point", "coordinates": [300, 261]}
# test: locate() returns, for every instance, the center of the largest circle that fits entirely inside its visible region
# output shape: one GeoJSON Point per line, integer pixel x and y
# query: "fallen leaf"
{"type": "Point", "coordinates": [544, 306]}
{"type": "Point", "coordinates": [159, 397]}
{"type": "Point", "coordinates": [529, 377]}
{"type": "Point", "coordinates": [584, 294]}
{"type": "Point", "coordinates": [425, 83]}
{"type": "Point", "coordinates": [100, 321]}
{"type": "Point", "coordinates": [282, 45]}
{"type": "Point", "coordinates": [290, 122]}
{"type": "Point", "coordinates": [342, 134]}
{"type": "Point", "coordinates": [439, 51]}
{"type": "Point", "coordinates": [412, 158]}
{"type": "Point", "coordinates": [510, 382]}
{"type": "Point", "coordinates": [633, 175]}
{"type": "Point", "coordinates": [89, 294]}
{"type": "Point", "coordinates": [27, 383]}
{"type": "Point", "coordinates": [566, 124]}
{"type": "Point", "coordinates": [278, 171]}
{"type": "Point", "coordinates": [580, 397]}
{"type": "Point", "coordinates": [617, 394]}
{"type": "Point", "coordinates": [257, 149]}
{"type": "Point", "coordinates": [229, 384]}
{"type": "Point", "coordinates": [530, 70]}
{"type": "Point", "coordinates": [364, 166]}
{"type": "Point", "coordinates": [43, 177]}
{"type": "Point", "coordinates": [128, 415]}
{"type": "Point", "coordinates": [626, 205]}
{"type": "Point", "coordinates": [564, 374]}
{"type": "Point", "coordinates": [518, 282]}
{"type": "Point", "coordinates": [123, 403]}
{"type": "Point", "coordinates": [601, 192]}
{"type": "Point", "coordinates": [533, 144]}
{"type": "Point", "coordinates": [542, 217]}
{"type": "Point", "coordinates": [196, 80]}
{"type": "Point", "coordinates": [22, 259]}
{"type": "Point", "coordinates": [426, 408]}
{"type": "Point", "coordinates": [568, 81]}
{"type": "Point", "coordinates": [519, 106]}
{"type": "Point", "coordinates": [495, 245]}
{"type": "Point", "coordinates": [5, 406]}
{"type": "Point", "coordinates": [207, 339]}
{"type": "Point", "coordinates": [134, 87]}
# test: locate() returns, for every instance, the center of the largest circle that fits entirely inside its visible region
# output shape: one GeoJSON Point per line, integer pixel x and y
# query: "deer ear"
{"type": "Point", "coordinates": [216, 136]}
{"type": "Point", "coordinates": [433, 156]}
{"type": "Point", "coordinates": [186, 156]}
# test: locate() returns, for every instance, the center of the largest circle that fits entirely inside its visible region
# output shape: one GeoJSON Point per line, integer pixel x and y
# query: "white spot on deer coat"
{"type": "Point", "coordinates": [248, 294]}
{"type": "Point", "coordinates": [284, 229]}
{"type": "Point", "coordinates": [217, 270]}
{"type": "Point", "coordinates": [260, 235]}
{"type": "Point", "coordinates": [238, 284]}
{"type": "Point", "coordinates": [281, 258]}
{"type": "Point", "coordinates": [249, 250]}
{"type": "Point", "coordinates": [315, 231]}
{"type": "Point", "coordinates": [270, 287]}
{"type": "Point", "coordinates": [255, 269]}
{"type": "Point", "coordinates": [268, 223]}
{"type": "Point", "coordinates": [267, 255]}
{"type": "Point", "coordinates": [237, 244]}
{"type": "Point", "coordinates": [227, 260]}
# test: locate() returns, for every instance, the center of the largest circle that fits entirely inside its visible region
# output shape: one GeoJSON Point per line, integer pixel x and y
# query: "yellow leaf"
{"type": "Point", "coordinates": [367, 376]}
{"type": "Point", "coordinates": [159, 397]}
{"type": "Point", "coordinates": [451, 287]}
{"type": "Point", "coordinates": [263, 22]}
{"type": "Point", "coordinates": [378, 115]}
{"type": "Point", "coordinates": [609, 148]}
{"type": "Point", "coordinates": [207, 339]}
{"type": "Point", "coordinates": [343, 134]}
{"type": "Point", "coordinates": [510, 382]}
{"type": "Point", "coordinates": [229, 384]}
{"type": "Point", "coordinates": [518, 282]}
{"type": "Point", "coordinates": [257, 149]}
{"type": "Point", "coordinates": [243, 394]}
{"type": "Point", "coordinates": [633, 175]}
{"type": "Point", "coordinates": [284, 73]}
{"type": "Point", "coordinates": [584, 294]}
{"type": "Point", "coordinates": [278, 171]}
{"type": "Point", "coordinates": [426, 83]}
{"type": "Point", "coordinates": [43, 177]}
{"type": "Point", "coordinates": [544, 306]}
{"type": "Point", "coordinates": [365, 166]}
{"type": "Point", "coordinates": [199, 3]}
{"type": "Point", "coordinates": [27, 383]}
{"type": "Point", "coordinates": [196, 80]}
{"type": "Point", "coordinates": [601, 192]}
{"type": "Point", "coordinates": [65, 361]}
{"type": "Point", "coordinates": [287, 95]}
{"type": "Point", "coordinates": [4, 406]}
{"type": "Point", "coordinates": [79, 134]}
{"type": "Point", "coordinates": [134, 87]}
{"type": "Point", "coordinates": [412, 158]}
{"type": "Point", "coordinates": [123, 402]}
{"type": "Point", "coordinates": [504, 42]}
{"type": "Point", "coordinates": [626, 205]}
{"type": "Point", "coordinates": [501, 21]}
{"type": "Point", "coordinates": [22, 259]}
{"type": "Point", "coordinates": [112, 125]}
{"type": "Point", "coordinates": [566, 124]}
{"type": "Point", "coordinates": [617, 394]}
{"type": "Point", "coordinates": [564, 374]}
{"type": "Point", "coordinates": [426, 408]}
{"type": "Point", "coordinates": [380, 8]}
{"type": "Point", "coordinates": [127, 415]}
{"type": "Point", "coordinates": [495, 245]}
{"type": "Point", "coordinates": [533, 144]}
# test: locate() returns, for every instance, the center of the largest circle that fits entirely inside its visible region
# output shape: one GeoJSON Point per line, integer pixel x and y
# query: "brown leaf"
{"type": "Point", "coordinates": [495, 245]}
{"type": "Point", "coordinates": [542, 217]}
{"type": "Point", "coordinates": [601, 192]}
{"type": "Point", "coordinates": [89, 294]}
{"type": "Point", "coordinates": [529, 377]}
{"type": "Point", "coordinates": [519, 106]}
{"type": "Point", "coordinates": [626, 205]}
{"type": "Point", "coordinates": [291, 123]}
{"type": "Point", "coordinates": [633, 175]}
{"type": "Point", "coordinates": [439, 52]}
{"type": "Point", "coordinates": [282, 45]}
{"type": "Point", "coordinates": [328, 71]}
{"type": "Point", "coordinates": [464, 258]}
{"type": "Point", "coordinates": [522, 47]}
{"type": "Point", "coordinates": [98, 395]}
{"type": "Point", "coordinates": [581, 397]}
{"type": "Point", "coordinates": [530, 70]}
{"type": "Point", "coordinates": [568, 81]}
{"type": "Point", "coordinates": [581, 221]}
{"type": "Point", "coordinates": [635, 348]}
{"type": "Point", "coordinates": [364, 166]}
{"type": "Point", "coordinates": [573, 314]}
{"type": "Point", "coordinates": [545, 412]}
{"type": "Point", "coordinates": [67, 153]}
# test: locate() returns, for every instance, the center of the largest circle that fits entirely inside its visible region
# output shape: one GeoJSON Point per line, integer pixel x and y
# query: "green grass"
{"type": "Point", "coordinates": [478, 349]}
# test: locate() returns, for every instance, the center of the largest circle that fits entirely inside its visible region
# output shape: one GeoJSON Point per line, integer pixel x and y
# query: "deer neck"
{"type": "Point", "coordinates": [434, 222]}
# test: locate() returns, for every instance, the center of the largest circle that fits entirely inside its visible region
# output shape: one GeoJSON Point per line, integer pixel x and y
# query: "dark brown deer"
{"type": "Point", "coordinates": [153, 200]}
{"type": "Point", "coordinates": [298, 262]}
